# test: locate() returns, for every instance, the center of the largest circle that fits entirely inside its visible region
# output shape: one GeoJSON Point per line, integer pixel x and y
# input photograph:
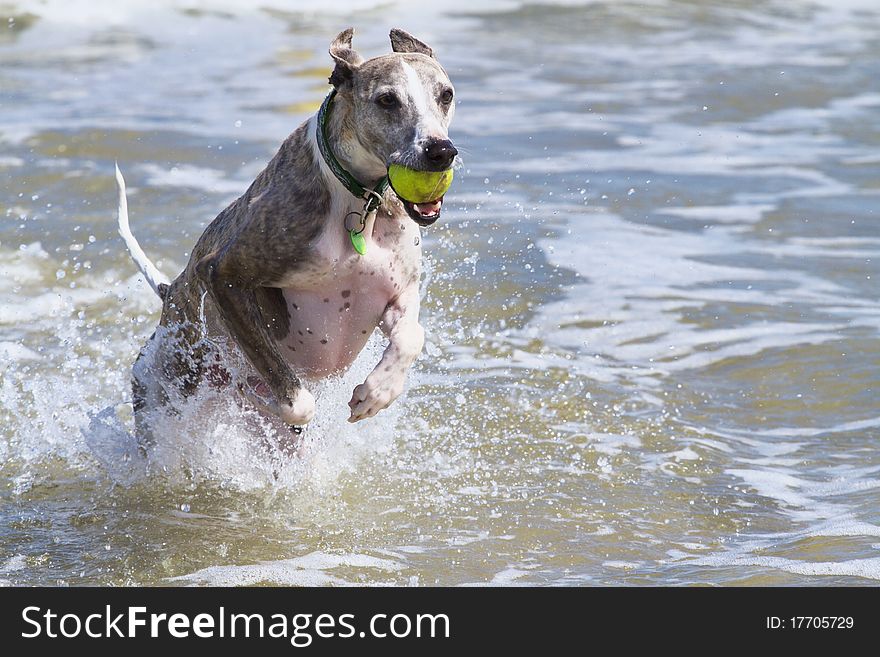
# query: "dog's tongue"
{"type": "Point", "coordinates": [428, 209]}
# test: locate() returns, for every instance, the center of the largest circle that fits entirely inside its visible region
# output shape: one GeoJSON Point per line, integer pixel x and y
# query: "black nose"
{"type": "Point", "coordinates": [440, 153]}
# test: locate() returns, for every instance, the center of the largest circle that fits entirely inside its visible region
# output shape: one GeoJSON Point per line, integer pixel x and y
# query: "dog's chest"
{"type": "Point", "coordinates": [336, 299]}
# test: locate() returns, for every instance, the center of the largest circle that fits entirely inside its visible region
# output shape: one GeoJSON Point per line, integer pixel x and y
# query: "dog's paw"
{"type": "Point", "coordinates": [369, 398]}
{"type": "Point", "coordinates": [300, 410]}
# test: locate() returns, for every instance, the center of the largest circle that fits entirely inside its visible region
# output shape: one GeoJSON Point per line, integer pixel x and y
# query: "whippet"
{"type": "Point", "coordinates": [276, 273]}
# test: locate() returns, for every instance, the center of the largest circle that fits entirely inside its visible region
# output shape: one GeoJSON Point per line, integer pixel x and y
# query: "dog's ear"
{"type": "Point", "coordinates": [347, 60]}
{"type": "Point", "coordinates": [405, 42]}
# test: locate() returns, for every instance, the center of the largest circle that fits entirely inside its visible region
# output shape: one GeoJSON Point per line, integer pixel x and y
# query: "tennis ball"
{"type": "Point", "coordinates": [419, 186]}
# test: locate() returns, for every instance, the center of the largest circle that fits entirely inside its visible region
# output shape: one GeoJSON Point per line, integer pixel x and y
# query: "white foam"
{"type": "Point", "coordinates": [313, 569]}
{"type": "Point", "coordinates": [621, 565]}
{"type": "Point", "coordinates": [868, 568]}
{"type": "Point", "coordinates": [613, 444]}
{"type": "Point", "coordinates": [14, 351]}
{"type": "Point", "coordinates": [779, 485]}
{"type": "Point", "coordinates": [507, 577]}
{"type": "Point", "coordinates": [732, 214]}
{"type": "Point", "coordinates": [13, 564]}
{"type": "Point", "coordinates": [193, 177]}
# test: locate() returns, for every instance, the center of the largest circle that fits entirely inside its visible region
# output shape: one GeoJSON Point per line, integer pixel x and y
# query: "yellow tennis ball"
{"type": "Point", "coordinates": [419, 186]}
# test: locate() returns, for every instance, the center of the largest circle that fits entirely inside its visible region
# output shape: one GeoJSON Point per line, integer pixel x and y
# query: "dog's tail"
{"type": "Point", "coordinates": [157, 280]}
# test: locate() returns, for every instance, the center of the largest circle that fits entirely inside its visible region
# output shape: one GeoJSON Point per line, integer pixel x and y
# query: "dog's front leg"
{"type": "Point", "coordinates": [235, 298]}
{"type": "Point", "coordinates": [400, 322]}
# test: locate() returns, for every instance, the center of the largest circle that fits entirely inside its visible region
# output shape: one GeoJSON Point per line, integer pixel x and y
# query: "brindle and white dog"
{"type": "Point", "coordinates": [276, 272]}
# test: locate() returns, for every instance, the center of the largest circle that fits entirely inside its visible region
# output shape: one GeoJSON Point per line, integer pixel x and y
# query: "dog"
{"type": "Point", "coordinates": [277, 274]}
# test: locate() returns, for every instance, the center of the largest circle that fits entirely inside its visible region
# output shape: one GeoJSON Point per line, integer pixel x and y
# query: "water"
{"type": "Point", "coordinates": [651, 303]}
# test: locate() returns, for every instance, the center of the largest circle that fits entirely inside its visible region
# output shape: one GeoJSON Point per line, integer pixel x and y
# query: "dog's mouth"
{"type": "Point", "coordinates": [424, 214]}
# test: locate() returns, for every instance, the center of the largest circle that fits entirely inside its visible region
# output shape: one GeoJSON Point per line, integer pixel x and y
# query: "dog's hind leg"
{"type": "Point", "coordinates": [141, 402]}
{"type": "Point", "coordinates": [150, 387]}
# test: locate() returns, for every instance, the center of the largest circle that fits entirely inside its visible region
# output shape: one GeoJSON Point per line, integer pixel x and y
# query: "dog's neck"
{"type": "Point", "coordinates": [342, 136]}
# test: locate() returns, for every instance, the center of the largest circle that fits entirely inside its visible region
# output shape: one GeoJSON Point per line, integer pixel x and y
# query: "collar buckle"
{"type": "Point", "coordinates": [372, 202]}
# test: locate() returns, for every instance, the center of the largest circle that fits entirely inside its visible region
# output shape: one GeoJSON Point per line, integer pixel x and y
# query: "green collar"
{"type": "Point", "coordinates": [372, 197]}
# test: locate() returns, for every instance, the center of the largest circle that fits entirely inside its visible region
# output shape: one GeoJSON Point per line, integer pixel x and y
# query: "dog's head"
{"type": "Point", "coordinates": [397, 111]}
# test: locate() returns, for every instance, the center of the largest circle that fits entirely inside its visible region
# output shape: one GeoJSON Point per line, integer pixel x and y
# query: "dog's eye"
{"type": "Point", "coordinates": [446, 96]}
{"type": "Point", "coordinates": [387, 100]}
